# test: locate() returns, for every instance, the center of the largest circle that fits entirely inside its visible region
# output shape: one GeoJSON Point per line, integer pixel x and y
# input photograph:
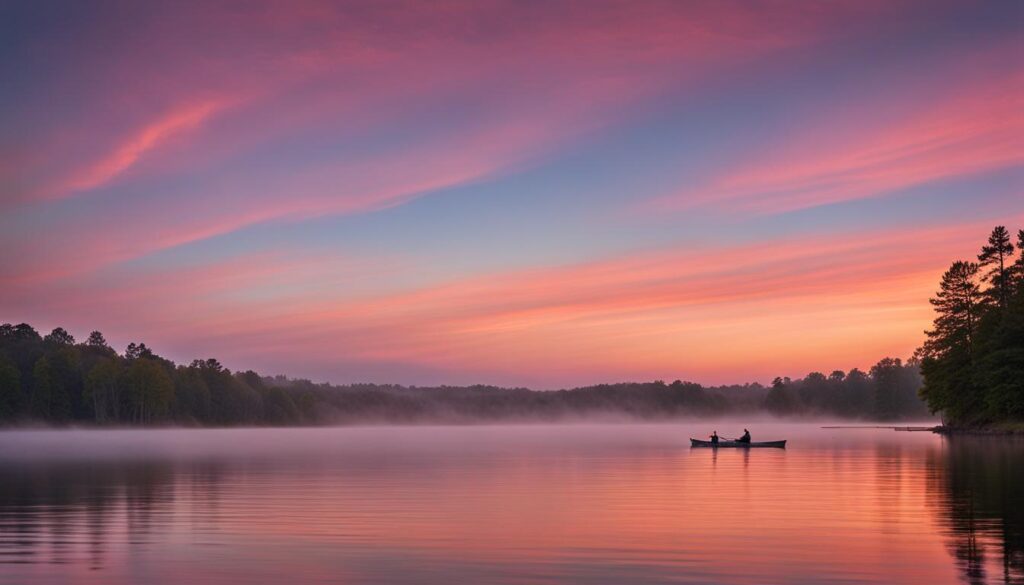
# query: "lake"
{"type": "Point", "coordinates": [580, 503]}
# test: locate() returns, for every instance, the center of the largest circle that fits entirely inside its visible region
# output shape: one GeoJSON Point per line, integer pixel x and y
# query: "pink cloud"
{"type": "Point", "coordinates": [552, 86]}
{"type": "Point", "coordinates": [974, 127]}
{"type": "Point", "coordinates": [368, 59]}
{"type": "Point", "coordinates": [147, 138]}
{"type": "Point", "coordinates": [137, 228]}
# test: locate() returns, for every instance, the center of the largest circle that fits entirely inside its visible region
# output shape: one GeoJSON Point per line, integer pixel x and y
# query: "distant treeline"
{"type": "Point", "coordinates": [973, 359]}
{"type": "Point", "coordinates": [53, 379]}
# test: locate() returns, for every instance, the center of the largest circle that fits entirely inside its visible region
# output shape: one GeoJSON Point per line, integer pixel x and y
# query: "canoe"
{"type": "Point", "coordinates": [737, 444]}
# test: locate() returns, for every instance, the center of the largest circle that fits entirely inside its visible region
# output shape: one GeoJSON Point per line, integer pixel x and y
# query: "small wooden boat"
{"type": "Point", "coordinates": [738, 444]}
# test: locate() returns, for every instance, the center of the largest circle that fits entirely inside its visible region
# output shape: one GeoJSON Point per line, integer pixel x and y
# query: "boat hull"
{"type": "Point", "coordinates": [739, 445]}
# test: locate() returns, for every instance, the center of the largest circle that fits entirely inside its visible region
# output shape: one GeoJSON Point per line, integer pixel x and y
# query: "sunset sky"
{"type": "Point", "coordinates": [521, 193]}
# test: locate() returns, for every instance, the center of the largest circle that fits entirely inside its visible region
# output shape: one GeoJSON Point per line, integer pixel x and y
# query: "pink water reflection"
{"type": "Point", "coordinates": [505, 504]}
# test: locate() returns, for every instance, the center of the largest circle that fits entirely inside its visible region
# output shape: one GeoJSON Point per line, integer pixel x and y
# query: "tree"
{"type": "Point", "coordinates": [96, 339]}
{"type": "Point", "coordinates": [208, 365]}
{"type": "Point", "coordinates": [780, 401]}
{"type": "Point", "coordinates": [149, 390]}
{"type": "Point", "coordinates": [103, 390]}
{"type": "Point", "coordinates": [245, 405]}
{"type": "Point", "coordinates": [134, 352]}
{"type": "Point", "coordinates": [886, 376]}
{"type": "Point", "coordinates": [191, 396]}
{"type": "Point", "coordinates": [958, 304]}
{"type": "Point", "coordinates": [1018, 266]}
{"type": "Point", "coordinates": [50, 397]}
{"type": "Point", "coordinates": [308, 407]}
{"type": "Point", "coordinates": [225, 391]}
{"type": "Point", "coordinates": [857, 393]}
{"type": "Point", "coordinates": [59, 337]}
{"type": "Point", "coordinates": [947, 360]}
{"type": "Point", "coordinates": [998, 367]}
{"type": "Point", "coordinates": [814, 391]}
{"type": "Point", "coordinates": [24, 331]}
{"type": "Point", "coordinates": [11, 396]}
{"type": "Point", "coordinates": [279, 409]}
{"type": "Point", "coordinates": [994, 256]}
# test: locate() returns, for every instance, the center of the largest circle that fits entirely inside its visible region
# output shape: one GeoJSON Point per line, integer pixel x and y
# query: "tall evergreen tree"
{"type": "Point", "coordinates": [995, 257]}
{"type": "Point", "coordinates": [958, 304]}
{"type": "Point", "coordinates": [947, 361]}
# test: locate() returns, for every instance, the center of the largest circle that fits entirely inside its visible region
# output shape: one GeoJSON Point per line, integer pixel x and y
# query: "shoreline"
{"type": "Point", "coordinates": [991, 430]}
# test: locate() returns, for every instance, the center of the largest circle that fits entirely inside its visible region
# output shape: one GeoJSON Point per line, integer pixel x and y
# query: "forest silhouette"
{"type": "Point", "coordinates": [973, 358]}
{"type": "Point", "coordinates": [54, 379]}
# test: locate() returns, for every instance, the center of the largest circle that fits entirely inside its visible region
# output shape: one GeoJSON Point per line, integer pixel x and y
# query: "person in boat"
{"type": "Point", "coordinates": [714, 438]}
{"type": "Point", "coordinates": [745, 438]}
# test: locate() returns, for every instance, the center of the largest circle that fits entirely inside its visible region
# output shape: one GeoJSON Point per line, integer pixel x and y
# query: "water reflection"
{"type": "Point", "coordinates": [74, 513]}
{"type": "Point", "coordinates": [978, 487]}
{"type": "Point", "coordinates": [598, 505]}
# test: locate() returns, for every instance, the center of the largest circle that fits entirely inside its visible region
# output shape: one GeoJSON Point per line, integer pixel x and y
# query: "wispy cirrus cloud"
{"type": "Point", "coordinates": [970, 127]}
{"type": "Point", "coordinates": [525, 94]}
{"type": "Point", "coordinates": [358, 184]}
{"type": "Point", "coordinates": [137, 144]}
{"type": "Point", "coordinates": [354, 61]}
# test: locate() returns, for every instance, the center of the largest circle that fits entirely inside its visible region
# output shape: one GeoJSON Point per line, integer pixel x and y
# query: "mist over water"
{"type": "Point", "coordinates": [584, 503]}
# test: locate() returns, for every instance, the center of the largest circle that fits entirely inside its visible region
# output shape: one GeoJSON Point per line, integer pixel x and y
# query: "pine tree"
{"type": "Point", "coordinates": [947, 360]}
{"type": "Point", "coordinates": [958, 303]}
{"type": "Point", "coordinates": [1017, 270]}
{"type": "Point", "coordinates": [96, 339]}
{"type": "Point", "coordinates": [995, 257]}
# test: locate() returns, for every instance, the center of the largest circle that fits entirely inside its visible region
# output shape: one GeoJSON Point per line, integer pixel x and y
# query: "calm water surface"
{"type": "Point", "coordinates": [607, 504]}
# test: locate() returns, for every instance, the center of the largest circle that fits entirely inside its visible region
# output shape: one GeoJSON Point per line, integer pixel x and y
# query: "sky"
{"type": "Point", "coordinates": [543, 194]}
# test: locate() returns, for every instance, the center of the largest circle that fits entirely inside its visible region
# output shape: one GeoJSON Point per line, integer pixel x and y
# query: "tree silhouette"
{"type": "Point", "coordinates": [994, 256]}
{"type": "Point", "coordinates": [59, 337]}
{"type": "Point", "coordinates": [96, 339]}
{"type": "Point", "coordinates": [11, 397]}
{"type": "Point", "coordinates": [973, 359]}
{"type": "Point", "coordinates": [958, 304]}
{"type": "Point", "coordinates": [1017, 276]}
{"type": "Point", "coordinates": [103, 390]}
{"type": "Point", "coordinates": [150, 390]}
